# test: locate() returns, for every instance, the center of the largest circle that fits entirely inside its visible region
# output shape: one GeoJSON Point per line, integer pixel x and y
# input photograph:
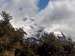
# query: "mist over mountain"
{"type": "Point", "coordinates": [54, 15]}
{"type": "Point", "coordinates": [37, 27]}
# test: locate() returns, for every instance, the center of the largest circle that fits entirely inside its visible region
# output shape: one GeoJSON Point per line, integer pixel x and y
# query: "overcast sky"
{"type": "Point", "coordinates": [54, 15]}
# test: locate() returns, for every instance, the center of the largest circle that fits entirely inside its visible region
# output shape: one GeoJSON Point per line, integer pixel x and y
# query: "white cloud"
{"type": "Point", "coordinates": [19, 8]}
{"type": "Point", "coordinates": [61, 14]}
{"type": "Point", "coordinates": [58, 15]}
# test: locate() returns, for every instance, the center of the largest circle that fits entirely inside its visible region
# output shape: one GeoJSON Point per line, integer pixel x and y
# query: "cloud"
{"type": "Point", "coordinates": [19, 7]}
{"type": "Point", "coordinates": [59, 13]}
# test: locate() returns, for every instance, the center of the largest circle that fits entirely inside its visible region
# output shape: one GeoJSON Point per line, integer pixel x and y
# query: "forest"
{"type": "Point", "coordinates": [12, 44]}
